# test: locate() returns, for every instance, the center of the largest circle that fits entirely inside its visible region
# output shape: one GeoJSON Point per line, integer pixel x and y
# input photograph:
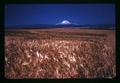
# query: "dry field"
{"type": "Point", "coordinates": [60, 53]}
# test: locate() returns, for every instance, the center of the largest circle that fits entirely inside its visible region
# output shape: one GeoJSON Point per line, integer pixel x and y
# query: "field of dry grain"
{"type": "Point", "coordinates": [59, 53]}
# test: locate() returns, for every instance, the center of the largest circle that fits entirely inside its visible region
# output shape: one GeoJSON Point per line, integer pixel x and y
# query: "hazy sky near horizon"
{"type": "Point", "coordinates": [30, 14]}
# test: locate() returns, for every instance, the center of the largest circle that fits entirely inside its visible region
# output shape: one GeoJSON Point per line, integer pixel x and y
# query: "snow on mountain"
{"type": "Point", "coordinates": [64, 22]}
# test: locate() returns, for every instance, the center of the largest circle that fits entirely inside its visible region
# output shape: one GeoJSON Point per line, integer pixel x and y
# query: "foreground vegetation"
{"type": "Point", "coordinates": [54, 54]}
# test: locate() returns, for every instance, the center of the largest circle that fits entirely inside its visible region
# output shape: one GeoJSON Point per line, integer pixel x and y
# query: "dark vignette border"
{"type": "Point", "coordinates": [60, 2]}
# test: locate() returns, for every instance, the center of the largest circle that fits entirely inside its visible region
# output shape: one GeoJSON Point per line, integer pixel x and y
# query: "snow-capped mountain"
{"type": "Point", "coordinates": [65, 22]}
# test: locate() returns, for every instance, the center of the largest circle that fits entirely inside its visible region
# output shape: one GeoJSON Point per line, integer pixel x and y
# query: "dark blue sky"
{"type": "Point", "coordinates": [30, 14]}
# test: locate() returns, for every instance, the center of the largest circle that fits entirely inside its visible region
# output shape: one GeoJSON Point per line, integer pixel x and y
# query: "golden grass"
{"type": "Point", "coordinates": [59, 55]}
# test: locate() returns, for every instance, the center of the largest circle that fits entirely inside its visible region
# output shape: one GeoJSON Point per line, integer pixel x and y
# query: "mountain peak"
{"type": "Point", "coordinates": [64, 22]}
